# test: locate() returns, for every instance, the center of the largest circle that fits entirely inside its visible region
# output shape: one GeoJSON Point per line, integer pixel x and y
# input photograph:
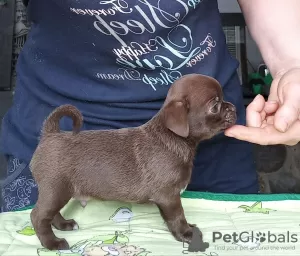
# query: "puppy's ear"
{"type": "Point", "coordinates": [176, 118]}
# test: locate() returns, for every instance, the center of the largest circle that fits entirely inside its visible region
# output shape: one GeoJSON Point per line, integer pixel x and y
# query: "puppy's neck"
{"type": "Point", "coordinates": [184, 148]}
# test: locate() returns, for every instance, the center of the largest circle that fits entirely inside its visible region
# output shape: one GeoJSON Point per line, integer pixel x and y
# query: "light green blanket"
{"type": "Point", "coordinates": [231, 225]}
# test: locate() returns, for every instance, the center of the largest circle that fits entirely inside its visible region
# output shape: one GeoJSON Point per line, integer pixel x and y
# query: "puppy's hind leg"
{"type": "Point", "coordinates": [172, 212]}
{"type": "Point", "coordinates": [50, 201]}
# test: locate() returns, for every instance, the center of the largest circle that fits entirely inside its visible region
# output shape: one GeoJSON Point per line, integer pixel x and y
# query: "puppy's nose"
{"type": "Point", "coordinates": [230, 108]}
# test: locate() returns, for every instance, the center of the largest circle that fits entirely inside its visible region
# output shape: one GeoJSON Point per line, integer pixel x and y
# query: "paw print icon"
{"type": "Point", "coordinates": [197, 244]}
{"type": "Point", "coordinates": [261, 237]}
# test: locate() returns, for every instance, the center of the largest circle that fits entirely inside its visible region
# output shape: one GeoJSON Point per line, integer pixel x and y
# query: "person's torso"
{"type": "Point", "coordinates": [114, 59]}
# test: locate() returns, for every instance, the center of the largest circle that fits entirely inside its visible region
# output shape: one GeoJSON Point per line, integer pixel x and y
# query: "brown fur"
{"type": "Point", "coordinates": [151, 163]}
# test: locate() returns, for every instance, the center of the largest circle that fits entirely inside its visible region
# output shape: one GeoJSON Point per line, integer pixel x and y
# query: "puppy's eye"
{"type": "Point", "coordinates": [215, 108]}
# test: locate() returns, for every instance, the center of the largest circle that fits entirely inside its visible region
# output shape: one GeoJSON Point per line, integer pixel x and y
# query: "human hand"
{"type": "Point", "coordinates": [277, 120]}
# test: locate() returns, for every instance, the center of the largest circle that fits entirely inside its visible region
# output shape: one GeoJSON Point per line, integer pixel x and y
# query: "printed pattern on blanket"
{"type": "Point", "coordinates": [123, 229]}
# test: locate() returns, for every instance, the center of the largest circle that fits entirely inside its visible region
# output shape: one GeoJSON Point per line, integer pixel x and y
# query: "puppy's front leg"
{"type": "Point", "coordinates": [172, 212]}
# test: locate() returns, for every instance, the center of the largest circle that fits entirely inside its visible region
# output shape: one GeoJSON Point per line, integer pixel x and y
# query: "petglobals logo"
{"type": "Point", "coordinates": [255, 237]}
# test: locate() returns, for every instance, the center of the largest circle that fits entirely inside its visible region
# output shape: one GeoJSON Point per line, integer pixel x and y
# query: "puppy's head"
{"type": "Point", "coordinates": [195, 108]}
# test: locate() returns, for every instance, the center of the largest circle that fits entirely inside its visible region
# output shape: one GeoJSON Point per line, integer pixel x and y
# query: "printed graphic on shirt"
{"type": "Point", "coordinates": [21, 30]}
{"type": "Point", "coordinates": [167, 54]}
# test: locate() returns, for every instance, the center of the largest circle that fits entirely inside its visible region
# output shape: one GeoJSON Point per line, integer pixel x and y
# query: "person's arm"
{"type": "Point", "coordinates": [275, 27]}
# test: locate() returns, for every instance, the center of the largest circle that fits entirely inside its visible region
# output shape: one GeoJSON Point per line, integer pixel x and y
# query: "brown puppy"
{"type": "Point", "coordinates": [151, 163]}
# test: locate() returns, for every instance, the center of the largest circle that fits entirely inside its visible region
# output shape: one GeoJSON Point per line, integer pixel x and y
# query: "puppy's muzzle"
{"type": "Point", "coordinates": [230, 116]}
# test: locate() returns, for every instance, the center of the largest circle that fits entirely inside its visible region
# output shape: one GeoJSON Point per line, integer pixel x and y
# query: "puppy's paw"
{"type": "Point", "coordinates": [184, 236]}
{"type": "Point", "coordinates": [192, 225]}
{"type": "Point", "coordinates": [66, 225]}
{"type": "Point", "coordinates": [69, 225]}
{"type": "Point", "coordinates": [57, 244]}
{"type": "Point", "coordinates": [187, 235]}
{"type": "Point", "coordinates": [62, 244]}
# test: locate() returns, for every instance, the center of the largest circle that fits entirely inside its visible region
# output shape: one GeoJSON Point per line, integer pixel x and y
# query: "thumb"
{"type": "Point", "coordinates": [288, 112]}
{"type": "Point", "coordinates": [250, 134]}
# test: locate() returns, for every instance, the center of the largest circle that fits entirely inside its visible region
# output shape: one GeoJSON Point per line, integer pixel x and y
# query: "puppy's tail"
{"type": "Point", "coordinates": [51, 124]}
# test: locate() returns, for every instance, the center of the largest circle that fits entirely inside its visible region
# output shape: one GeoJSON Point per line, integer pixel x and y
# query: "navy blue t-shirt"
{"type": "Point", "coordinates": [115, 60]}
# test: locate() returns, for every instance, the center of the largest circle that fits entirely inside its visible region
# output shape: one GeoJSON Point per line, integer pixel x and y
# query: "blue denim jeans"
{"type": "Point", "coordinates": [18, 190]}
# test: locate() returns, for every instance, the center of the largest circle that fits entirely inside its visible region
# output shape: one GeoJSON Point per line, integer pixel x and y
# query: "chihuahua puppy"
{"type": "Point", "coordinates": [151, 163]}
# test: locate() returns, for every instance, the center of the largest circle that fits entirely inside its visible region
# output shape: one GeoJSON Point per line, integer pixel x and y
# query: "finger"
{"type": "Point", "coordinates": [264, 124]}
{"type": "Point", "coordinates": [254, 112]}
{"type": "Point", "coordinates": [270, 120]}
{"type": "Point", "coordinates": [288, 113]}
{"type": "Point", "coordinates": [271, 107]}
{"type": "Point", "coordinates": [254, 135]}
